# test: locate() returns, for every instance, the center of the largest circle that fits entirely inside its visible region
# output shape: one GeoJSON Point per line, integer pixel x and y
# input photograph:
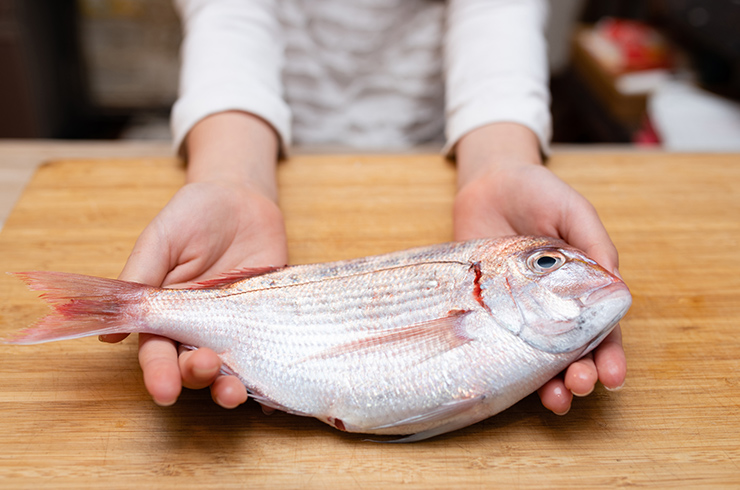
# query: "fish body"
{"type": "Point", "coordinates": [421, 342]}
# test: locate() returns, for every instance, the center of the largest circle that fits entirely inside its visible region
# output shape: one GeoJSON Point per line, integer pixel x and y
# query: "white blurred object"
{"type": "Point", "coordinates": [642, 82]}
{"type": "Point", "coordinates": [688, 118]}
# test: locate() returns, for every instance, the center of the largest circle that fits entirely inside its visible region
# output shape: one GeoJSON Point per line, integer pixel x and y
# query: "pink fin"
{"type": "Point", "coordinates": [440, 335]}
{"type": "Point", "coordinates": [83, 306]}
{"type": "Point", "coordinates": [228, 278]}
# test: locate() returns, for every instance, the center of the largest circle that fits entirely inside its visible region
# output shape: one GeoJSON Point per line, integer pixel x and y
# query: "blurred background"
{"type": "Point", "coordinates": [655, 73]}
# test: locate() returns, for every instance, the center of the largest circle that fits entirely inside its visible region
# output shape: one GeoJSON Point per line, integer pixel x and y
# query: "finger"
{"type": "Point", "coordinates": [581, 376]}
{"type": "Point", "coordinates": [610, 360]}
{"type": "Point", "coordinates": [583, 229]}
{"type": "Point", "coordinates": [555, 396]}
{"type": "Point", "coordinates": [199, 368]}
{"type": "Point", "coordinates": [158, 360]}
{"type": "Point", "coordinates": [228, 391]}
{"type": "Point", "coordinates": [149, 261]}
{"type": "Point", "coordinates": [144, 266]}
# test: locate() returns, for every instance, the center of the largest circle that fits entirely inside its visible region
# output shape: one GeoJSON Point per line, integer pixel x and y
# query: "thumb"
{"type": "Point", "coordinates": [584, 230]}
{"type": "Point", "coordinates": [149, 261]}
{"type": "Point", "coordinates": [147, 264]}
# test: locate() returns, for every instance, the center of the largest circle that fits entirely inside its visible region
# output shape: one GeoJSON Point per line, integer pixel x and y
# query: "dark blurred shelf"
{"type": "Point", "coordinates": [42, 90]}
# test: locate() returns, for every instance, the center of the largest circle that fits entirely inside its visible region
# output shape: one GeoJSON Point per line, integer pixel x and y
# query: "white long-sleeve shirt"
{"type": "Point", "coordinates": [366, 73]}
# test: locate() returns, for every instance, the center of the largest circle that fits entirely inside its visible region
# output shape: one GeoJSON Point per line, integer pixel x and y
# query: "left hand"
{"type": "Point", "coordinates": [504, 191]}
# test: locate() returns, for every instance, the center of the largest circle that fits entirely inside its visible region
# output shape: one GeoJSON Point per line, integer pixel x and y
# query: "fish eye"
{"type": "Point", "coordinates": [543, 262]}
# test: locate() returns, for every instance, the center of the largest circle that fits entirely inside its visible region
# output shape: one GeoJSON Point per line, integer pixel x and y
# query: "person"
{"type": "Point", "coordinates": [390, 72]}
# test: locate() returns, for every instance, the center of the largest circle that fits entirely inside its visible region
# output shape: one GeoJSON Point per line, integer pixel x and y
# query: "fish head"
{"type": "Point", "coordinates": [551, 295]}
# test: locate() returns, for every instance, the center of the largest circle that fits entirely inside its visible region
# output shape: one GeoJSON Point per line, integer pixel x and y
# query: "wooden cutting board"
{"type": "Point", "coordinates": [75, 414]}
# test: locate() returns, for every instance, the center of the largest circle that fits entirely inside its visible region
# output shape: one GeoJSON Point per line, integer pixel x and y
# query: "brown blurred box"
{"type": "Point", "coordinates": [628, 110]}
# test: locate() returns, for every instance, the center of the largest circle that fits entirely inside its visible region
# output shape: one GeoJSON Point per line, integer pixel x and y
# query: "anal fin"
{"type": "Point", "coordinates": [445, 411]}
{"type": "Point", "coordinates": [427, 434]}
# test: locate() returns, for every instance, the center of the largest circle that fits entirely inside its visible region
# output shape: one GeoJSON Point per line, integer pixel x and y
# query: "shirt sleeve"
{"type": "Point", "coordinates": [232, 57]}
{"type": "Point", "coordinates": [496, 67]}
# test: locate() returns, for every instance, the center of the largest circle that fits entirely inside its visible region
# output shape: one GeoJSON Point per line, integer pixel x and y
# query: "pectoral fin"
{"type": "Point", "coordinates": [437, 336]}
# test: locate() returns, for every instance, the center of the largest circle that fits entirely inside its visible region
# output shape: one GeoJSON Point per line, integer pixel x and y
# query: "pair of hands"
{"type": "Point", "coordinates": [214, 226]}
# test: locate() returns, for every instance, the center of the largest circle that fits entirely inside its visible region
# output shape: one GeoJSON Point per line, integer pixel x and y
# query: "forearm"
{"type": "Point", "coordinates": [235, 147]}
{"type": "Point", "coordinates": [496, 67]}
{"type": "Point", "coordinates": [232, 56]}
{"type": "Point", "coordinates": [481, 149]}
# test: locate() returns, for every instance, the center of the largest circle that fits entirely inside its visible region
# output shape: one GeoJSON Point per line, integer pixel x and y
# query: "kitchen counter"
{"type": "Point", "coordinates": [75, 414]}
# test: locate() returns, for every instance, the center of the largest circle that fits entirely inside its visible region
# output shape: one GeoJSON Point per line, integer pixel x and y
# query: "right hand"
{"type": "Point", "coordinates": [208, 228]}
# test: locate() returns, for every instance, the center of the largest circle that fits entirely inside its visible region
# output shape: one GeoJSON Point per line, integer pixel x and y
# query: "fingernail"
{"type": "Point", "coordinates": [616, 388]}
{"type": "Point", "coordinates": [561, 413]}
{"type": "Point", "coordinates": [223, 404]}
{"type": "Point", "coordinates": [583, 394]}
{"type": "Point", "coordinates": [164, 404]}
{"type": "Point", "coordinates": [227, 406]}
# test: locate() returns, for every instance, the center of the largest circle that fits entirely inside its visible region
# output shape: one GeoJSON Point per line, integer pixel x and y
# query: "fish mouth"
{"type": "Point", "coordinates": [614, 291]}
{"type": "Point", "coordinates": [599, 309]}
{"type": "Point", "coordinates": [614, 299]}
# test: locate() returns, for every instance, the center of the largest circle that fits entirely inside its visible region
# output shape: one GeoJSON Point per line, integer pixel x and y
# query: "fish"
{"type": "Point", "coordinates": [416, 343]}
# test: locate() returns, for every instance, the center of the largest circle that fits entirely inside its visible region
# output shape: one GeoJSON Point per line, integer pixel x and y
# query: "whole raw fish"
{"type": "Point", "coordinates": [420, 342]}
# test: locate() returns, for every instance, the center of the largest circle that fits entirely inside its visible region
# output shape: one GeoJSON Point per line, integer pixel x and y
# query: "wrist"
{"type": "Point", "coordinates": [491, 147]}
{"type": "Point", "coordinates": [235, 148]}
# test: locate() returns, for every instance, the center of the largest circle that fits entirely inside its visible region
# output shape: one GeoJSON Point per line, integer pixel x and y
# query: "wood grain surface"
{"type": "Point", "coordinates": [75, 414]}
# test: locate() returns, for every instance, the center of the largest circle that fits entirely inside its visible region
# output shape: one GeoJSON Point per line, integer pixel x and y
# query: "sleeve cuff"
{"type": "Point", "coordinates": [208, 100]}
{"type": "Point", "coordinates": [530, 111]}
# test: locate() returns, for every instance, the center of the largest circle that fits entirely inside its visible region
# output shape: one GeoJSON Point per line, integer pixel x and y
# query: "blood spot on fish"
{"type": "Point", "coordinates": [337, 423]}
{"type": "Point", "coordinates": [477, 293]}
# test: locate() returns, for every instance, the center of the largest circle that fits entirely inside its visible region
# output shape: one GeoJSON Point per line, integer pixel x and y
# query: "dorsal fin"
{"type": "Point", "coordinates": [228, 278]}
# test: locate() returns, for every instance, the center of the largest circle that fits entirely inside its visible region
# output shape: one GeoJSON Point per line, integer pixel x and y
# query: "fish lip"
{"type": "Point", "coordinates": [615, 291]}
{"type": "Point", "coordinates": [612, 291]}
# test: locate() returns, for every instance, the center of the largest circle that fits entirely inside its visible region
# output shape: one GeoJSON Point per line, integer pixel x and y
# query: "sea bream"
{"type": "Point", "coordinates": [421, 342]}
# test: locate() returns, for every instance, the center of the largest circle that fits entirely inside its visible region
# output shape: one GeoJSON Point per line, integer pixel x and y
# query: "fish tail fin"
{"type": "Point", "coordinates": [83, 306]}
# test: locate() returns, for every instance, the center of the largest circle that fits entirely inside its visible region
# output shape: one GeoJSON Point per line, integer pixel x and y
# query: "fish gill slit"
{"type": "Point", "coordinates": [477, 292]}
